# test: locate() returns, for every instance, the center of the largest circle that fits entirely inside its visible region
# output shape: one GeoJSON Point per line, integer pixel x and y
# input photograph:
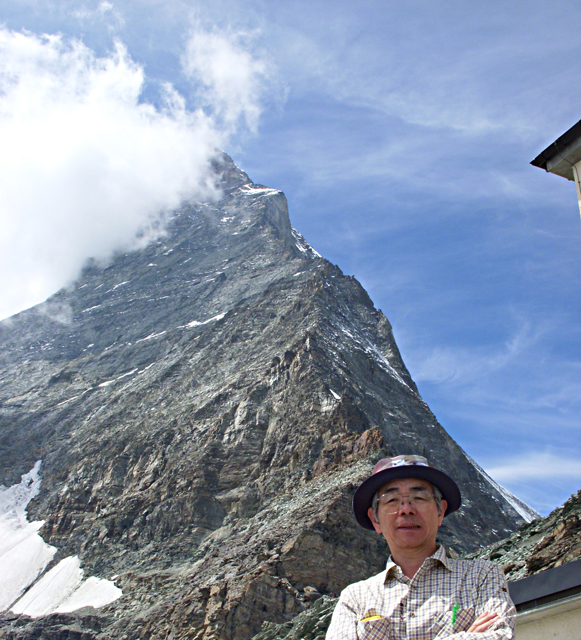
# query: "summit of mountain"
{"type": "Point", "coordinates": [204, 407]}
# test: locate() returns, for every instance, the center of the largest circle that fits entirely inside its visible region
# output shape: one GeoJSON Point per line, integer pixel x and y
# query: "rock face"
{"type": "Point", "coordinates": [311, 624]}
{"type": "Point", "coordinates": [543, 544]}
{"type": "Point", "coordinates": [204, 408]}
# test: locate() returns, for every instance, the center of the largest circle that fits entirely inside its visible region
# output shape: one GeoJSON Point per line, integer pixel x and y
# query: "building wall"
{"type": "Point", "coordinates": [561, 621]}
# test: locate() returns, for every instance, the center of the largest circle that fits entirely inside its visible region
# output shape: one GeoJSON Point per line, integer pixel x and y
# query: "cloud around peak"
{"type": "Point", "coordinates": [86, 164]}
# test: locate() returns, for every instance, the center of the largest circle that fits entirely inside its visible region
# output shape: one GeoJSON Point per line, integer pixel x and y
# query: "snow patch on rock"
{"type": "Point", "coordinates": [303, 246]}
{"type": "Point", "coordinates": [24, 556]}
{"type": "Point", "coordinates": [23, 553]}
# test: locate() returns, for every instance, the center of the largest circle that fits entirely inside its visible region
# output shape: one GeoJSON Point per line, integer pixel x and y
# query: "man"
{"type": "Point", "coordinates": [422, 594]}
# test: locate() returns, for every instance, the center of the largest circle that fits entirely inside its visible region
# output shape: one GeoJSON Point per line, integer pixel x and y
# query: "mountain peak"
{"type": "Point", "coordinates": [204, 408]}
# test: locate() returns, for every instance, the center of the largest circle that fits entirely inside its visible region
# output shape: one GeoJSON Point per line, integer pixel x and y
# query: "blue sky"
{"type": "Point", "coordinates": [401, 134]}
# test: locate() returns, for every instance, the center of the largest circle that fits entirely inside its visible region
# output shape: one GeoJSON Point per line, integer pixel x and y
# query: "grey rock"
{"type": "Point", "coordinates": [542, 544]}
{"type": "Point", "coordinates": [204, 408]}
{"type": "Point", "coordinates": [308, 625]}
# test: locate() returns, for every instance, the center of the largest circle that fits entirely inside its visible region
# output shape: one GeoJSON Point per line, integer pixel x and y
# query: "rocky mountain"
{"type": "Point", "coordinates": [543, 544]}
{"type": "Point", "coordinates": [203, 409]}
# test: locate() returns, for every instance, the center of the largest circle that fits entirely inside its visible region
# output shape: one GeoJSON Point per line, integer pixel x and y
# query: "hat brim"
{"type": "Point", "coordinates": [365, 492]}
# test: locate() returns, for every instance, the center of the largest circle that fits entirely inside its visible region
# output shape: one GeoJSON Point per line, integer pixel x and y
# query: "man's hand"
{"type": "Point", "coordinates": [483, 622]}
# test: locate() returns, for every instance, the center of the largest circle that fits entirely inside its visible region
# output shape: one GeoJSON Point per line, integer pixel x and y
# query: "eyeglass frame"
{"type": "Point", "coordinates": [437, 494]}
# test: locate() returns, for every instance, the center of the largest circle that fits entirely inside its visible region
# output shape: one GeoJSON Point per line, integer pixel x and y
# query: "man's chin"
{"type": "Point", "coordinates": [409, 535]}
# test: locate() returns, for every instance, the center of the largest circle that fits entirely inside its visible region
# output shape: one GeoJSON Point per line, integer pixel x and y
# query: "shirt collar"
{"type": "Point", "coordinates": [438, 557]}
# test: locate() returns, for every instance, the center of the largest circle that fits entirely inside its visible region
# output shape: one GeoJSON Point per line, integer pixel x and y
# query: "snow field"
{"type": "Point", "coordinates": [24, 556]}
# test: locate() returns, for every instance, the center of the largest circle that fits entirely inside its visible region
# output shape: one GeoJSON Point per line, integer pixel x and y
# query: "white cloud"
{"type": "Point", "coordinates": [85, 164]}
{"type": "Point", "coordinates": [407, 63]}
{"type": "Point", "coordinates": [232, 78]}
{"type": "Point", "coordinates": [104, 12]}
{"type": "Point", "coordinates": [446, 364]}
{"type": "Point", "coordinates": [536, 466]}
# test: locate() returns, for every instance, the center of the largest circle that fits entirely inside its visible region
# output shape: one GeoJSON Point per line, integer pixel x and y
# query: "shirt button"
{"type": "Point", "coordinates": [412, 614]}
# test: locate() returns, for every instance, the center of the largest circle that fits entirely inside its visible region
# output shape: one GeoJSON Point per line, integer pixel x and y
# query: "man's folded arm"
{"type": "Point", "coordinates": [492, 597]}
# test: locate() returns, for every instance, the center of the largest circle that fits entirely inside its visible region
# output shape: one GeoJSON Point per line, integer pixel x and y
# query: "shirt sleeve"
{"type": "Point", "coordinates": [344, 620]}
{"type": "Point", "coordinates": [491, 596]}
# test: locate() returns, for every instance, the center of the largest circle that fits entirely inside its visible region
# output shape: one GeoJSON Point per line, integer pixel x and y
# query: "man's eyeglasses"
{"type": "Point", "coordinates": [392, 501]}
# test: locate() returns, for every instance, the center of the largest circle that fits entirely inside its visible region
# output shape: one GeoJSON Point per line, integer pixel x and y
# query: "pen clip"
{"type": "Point", "coordinates": [455, 613]}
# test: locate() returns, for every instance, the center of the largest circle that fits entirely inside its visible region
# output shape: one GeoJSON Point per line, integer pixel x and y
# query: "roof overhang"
{"type": "Point", "coordinates": [560, 156]}
{"type": "Point", "coordinates": [547, 587]}
{"type": "Point", "coordinates": [550, 610]}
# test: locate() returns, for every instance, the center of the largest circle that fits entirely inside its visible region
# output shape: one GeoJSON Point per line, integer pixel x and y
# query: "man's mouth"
{"type": "Point", "coordinates": [409, 525]}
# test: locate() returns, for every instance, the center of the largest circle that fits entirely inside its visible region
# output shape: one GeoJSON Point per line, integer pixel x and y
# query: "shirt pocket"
{"type": "Point", "coordinates": [377, 629]}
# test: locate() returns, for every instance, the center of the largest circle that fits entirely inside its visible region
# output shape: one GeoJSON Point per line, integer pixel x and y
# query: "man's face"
{"type": "Point", "coordinates": [412, 528]}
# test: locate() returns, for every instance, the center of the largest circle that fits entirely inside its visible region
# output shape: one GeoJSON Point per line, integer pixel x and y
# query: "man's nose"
{"type": "Point", "coordinates": [407, 506]}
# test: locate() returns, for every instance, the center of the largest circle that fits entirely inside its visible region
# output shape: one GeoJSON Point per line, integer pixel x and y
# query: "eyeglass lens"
{"type": "Point", "coordinates": [394, 500]}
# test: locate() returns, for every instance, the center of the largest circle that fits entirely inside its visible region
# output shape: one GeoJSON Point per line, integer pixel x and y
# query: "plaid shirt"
{"type": "Point", "coordinates": [391, 606]}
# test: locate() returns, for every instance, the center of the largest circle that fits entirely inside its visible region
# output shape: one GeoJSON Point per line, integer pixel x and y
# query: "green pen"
{"type": "Point", "coordinates": [455, 613]}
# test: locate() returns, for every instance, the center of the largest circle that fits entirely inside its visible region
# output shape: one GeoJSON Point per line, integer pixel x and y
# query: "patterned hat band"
{"type": "Point", "coordinates": [401, 461]}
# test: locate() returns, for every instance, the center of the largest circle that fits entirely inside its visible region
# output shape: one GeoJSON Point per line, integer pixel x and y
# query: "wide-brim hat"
{"type": "Point", "coordinates": [388, 469]}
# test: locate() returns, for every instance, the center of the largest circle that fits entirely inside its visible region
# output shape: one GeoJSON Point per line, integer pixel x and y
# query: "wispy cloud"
{"type": "Point", "coordinates": [544, 478]}
{"type": "Point", "coordinates": [529, 361]}
{"type": "Point", "coordinates": [446, 364]}
{"type": "Point", "coordinates": [436, 100]}
{"type": "Point", "coordinates": [232, 78]}
{"type": "Point", "coordinates": [406, 61]}
{"type": "Point", "coordinates": [536, 466]}
{"type": "Point", "coordinates": [105, 12]}
{"type": "Point", "coordinates": [86, 164]}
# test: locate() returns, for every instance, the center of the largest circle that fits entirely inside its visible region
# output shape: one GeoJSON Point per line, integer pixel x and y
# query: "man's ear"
{"type": "Point", "coordinates": [374, 522]}
{"type": "Point", "coordinates": [443, 507]}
